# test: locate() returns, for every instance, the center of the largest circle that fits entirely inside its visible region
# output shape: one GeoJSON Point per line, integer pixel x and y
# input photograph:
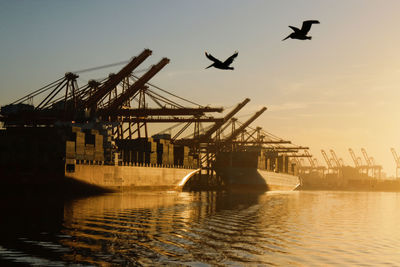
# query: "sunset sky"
{"type": "Point", "coordinates": [337, 91]}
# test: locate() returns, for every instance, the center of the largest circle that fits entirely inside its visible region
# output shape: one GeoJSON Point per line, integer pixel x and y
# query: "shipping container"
{"type": "Point", "coordinates": [70, 150]}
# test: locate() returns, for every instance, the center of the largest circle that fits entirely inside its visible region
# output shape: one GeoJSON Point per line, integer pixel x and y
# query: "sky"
{"type": "Point", "coordinates": [337, 91]}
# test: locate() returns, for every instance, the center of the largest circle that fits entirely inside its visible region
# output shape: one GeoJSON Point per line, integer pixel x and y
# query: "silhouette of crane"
{"type": "Point", "coordinates": [397, 161]}
{"type": "Point", "coordinates": [222, 65]}
{"type": "Point", "coordinates": [357, 163]}
{"type": "Point", "coordinates": [312, 163]}
{"type": "Point", "coordinates": [375, 169]}
{"type": "Point", "coordinates": [367, 160]}
{"type": "Point", "coordinates": [338, 162]}
{"type": "Point", "coordinates": [328, 161]}
{"type": "Point", "coordinates": [301, 34]}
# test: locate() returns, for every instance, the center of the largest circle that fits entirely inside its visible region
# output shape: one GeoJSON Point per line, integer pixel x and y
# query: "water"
{"type": "Point", "coordinates": [201, 229]}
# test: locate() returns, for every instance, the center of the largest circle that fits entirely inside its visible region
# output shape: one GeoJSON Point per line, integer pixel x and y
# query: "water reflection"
{"type": "Point", "coordinates": [163, 227]}
{"type": "Point", "coordinates": [215, 228]}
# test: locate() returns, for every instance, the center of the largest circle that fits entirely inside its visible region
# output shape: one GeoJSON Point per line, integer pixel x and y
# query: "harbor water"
{"type": "Point", "coordinates": [299, 228]}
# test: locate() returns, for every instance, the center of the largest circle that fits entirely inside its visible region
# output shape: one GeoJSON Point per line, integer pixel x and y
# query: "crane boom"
{"type": "Point", "coordinates": [134, 88]}
{"type": "Point", "coordinates": [216, 126]}
{"type": "Point", "coordinates": [335, 158]}
{"type": "Point", "coordinates": [353, 156]}
{"type": "Point", "coordinates": [312, 163]}
{"type": "Point", "coordinates": [140, 112]}
{"type": "Point", "coordinates": [328, 162]}
{"type": "Point", "coordinates": [315, 162]}
{"type": "Point", "coordinates": [244, 125]}
{"type": "Point", "coordinates": [396, 158]}
{"type": "Point", "coordinates": [364, 152]}
{"type": "Point", "coordinates": [114, 80]}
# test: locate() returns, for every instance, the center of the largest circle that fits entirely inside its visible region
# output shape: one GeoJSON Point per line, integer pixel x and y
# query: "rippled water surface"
{"type": "Point", "coordinates": [200, 229]}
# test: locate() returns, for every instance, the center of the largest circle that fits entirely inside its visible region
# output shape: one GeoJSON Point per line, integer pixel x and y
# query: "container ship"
{"type": "Point", "coordinates": [49, 156]}
{"type": "Point", "coordinates": [97, 135]}
{"type": "Point", "coordinates": [257, 169]}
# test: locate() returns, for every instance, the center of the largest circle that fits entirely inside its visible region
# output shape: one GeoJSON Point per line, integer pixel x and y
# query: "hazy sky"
{"type": "Point", "coordinates": [338, 90]}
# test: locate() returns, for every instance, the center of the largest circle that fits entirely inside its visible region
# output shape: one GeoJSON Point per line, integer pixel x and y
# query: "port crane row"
{"type": "Point", "coordinates": [127, 103]}
{"type": "Point", "coordinates": [335, 165]}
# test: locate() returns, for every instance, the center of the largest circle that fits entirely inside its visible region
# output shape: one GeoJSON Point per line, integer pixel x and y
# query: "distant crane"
{"type": "Point", "coordinates": [327, 160]}
{"type": "Point", "coordinates": [312, 163]}
{"type": "Point", "coordinates": [338, 162]}
{"type": "Point", "coordinates": [397, 161]}
{"type": "Point", "coordinates": [341, 162]}
{"type": "Point", "coordinates": [372, 160]}
{"type": "Point", "coordinates": [357, 161]}
{"type": "Point", "coordinates": [369, 164]}
{"type": "Point", "coordinates": [316, 162]}
{"type": "Point", "coordinates": [376, 169]}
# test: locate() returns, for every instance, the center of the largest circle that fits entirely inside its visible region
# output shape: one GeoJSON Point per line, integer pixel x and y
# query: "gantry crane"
{"type": "Point", "coordinates": [357, 161]}
{"type": "Point", "coordinates": [115, 79]}
{"type": "Point", "coordinates": [337, 161]}
{"type": "Point", "coordinates": [397, 161]}
{"type": "Point", "coordinates": [104, 100]}
{"type": "Point", "coordinates": [375, 169]}
{"type": "Point", "coordinates": [367, 160]}
{"type": "Point", "coordinates": [124, 104]}
{"type": "Point", "coordinates": [313, 165]}
{"type": "Point", "coordinates": [310, 160]}
{"type": "Point", "coordinates": [328, 161]}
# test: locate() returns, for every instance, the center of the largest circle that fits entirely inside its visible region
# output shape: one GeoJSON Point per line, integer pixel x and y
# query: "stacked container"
{"type": "Point", "coordinates": [79, 138]}
{"type": "Point", "coordinates": [140, 150]}
{"type": "Point", "coordinates": [70, 150]}
{"type": "Point", "coordinates": [179, 155]}
{"type": "Point", "coordinates": [89, 144]}
{"type": "Point", "coordinates": [170, 154]}
{"type": "Point", "coordinates": [98, 148]}
{"type": "Point", "coordinates": [165, 152]}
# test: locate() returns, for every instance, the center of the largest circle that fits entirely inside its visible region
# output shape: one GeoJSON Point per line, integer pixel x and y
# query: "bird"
{"type": "Point", "coordinates": [302, 34]}
{"type": "Point", "coordinates": [222, 65]}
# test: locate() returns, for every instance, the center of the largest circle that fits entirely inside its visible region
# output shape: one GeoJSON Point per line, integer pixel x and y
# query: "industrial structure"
{"type": "Point", "coordinates": [108, 122]}
{"type": "Point", "coordinates": [338, 175]}
{"type": "Point", "coordinates": [397, 161]}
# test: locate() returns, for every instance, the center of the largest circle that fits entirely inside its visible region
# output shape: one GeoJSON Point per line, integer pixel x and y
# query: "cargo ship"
{"type": "Point", "coordinates": [97, 135]}
{"type": "Point", "coordinates": [257, 169]}
{"type": "Point", "coordinates": [50, 156]}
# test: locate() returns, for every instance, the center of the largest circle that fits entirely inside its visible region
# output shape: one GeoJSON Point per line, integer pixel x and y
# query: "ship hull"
{"type": "Point", "coordinates": [256, 179]}
{"type": "Point", "coordinates": [118, 178]}
{"type": "Point", "coordinates": [97, 178]}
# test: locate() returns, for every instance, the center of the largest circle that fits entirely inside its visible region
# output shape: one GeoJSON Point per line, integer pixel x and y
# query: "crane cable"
{"type": "Point", "coordinates": [152, 85]}
{"type": "Point", "coordinates": [101, 67]}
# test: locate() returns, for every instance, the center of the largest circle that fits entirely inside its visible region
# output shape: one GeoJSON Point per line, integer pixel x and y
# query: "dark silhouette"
{"type": "Point", "coordinates": [222, 65]}
{"type": "Point", "coordinates": [302, 34]}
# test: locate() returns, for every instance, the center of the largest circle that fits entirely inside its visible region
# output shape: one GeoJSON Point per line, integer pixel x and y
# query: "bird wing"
{"type": "Point", "coordinates": [230, 59]}
{"type": "Point", "coordinates": [287, 37]}
{"type": "Point", "coordinates": [307, 25]}
{"type": "Point", "coordinates": [294, 28]}
{"type": "Point", "coordinates": [210, 57]}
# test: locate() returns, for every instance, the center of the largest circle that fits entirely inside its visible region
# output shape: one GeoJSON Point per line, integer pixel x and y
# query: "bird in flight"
{"type": "Point", "coordinates": [302, 34]}
{"type": "Point", "coordinates": [222, 65]}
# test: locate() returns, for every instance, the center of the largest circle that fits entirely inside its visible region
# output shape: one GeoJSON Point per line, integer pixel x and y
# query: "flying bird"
{"type": "Point", "coordinates": [222, 65]}
{"type": "Point", "coordinates": [302, 34]}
